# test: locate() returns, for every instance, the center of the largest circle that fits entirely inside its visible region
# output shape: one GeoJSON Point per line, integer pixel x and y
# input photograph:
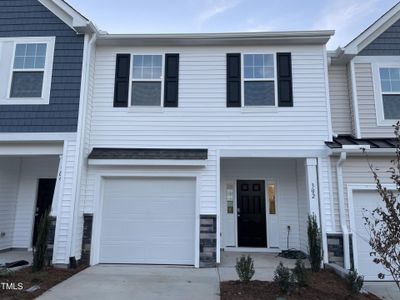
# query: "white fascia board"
{"type": "Point", "coordinates": [278, 153]}
{"type": "Point", "coordinates": [237, 38]}
{"type": "Point", "coordinates": [369, 152]}
{"type": "Point", "coordinates": [146, 162]}
{"type": "Point", "coordinates": [69, 16]}
{"type": "Point", "coordinates": [27, 148]}
{"type": "Point", "coordinates": [39, 136]}
{"type": "Point", "coordinates": [372, 32]}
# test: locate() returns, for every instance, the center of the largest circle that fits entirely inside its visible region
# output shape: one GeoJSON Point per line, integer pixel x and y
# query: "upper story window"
{"type": "Point", "coordinates": [146, 88]}
{"type": "Point", "coordinates": [390, 89]}
{"type": "Point", "coordinates": [26, 64]}
{"type": "Point", "coordinates": [28, 70]}
{"type": "Point", "coordinates": [259, 80]}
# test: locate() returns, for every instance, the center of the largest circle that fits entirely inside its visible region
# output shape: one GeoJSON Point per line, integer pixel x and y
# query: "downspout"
{"type": "Point", "coordinates": [80, 139]}
{"type": "Point", "coordinates": [342, 211]}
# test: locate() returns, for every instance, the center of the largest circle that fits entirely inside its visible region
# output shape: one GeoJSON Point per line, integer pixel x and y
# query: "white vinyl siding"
{"type": "Point", "coordinates": [202, 119]}
{"type": "Point", "coordinates": [9, 176]}
{"type": "Point", "coordinates": [340, 99]}
{"type": "Point", "coordinates": [366, 104]}
{"type": "Point", "coordinates": [356, 171]}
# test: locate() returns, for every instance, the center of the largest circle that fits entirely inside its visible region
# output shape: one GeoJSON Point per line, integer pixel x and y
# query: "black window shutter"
{"type": "Point", "coordinates": [233, 77]}
{"type": "Point", "coordinates": [285, 89]}
{"type": "Point", "coordinates": [171, 80]}
{"type": "Point", "coordinates": [121, 88]}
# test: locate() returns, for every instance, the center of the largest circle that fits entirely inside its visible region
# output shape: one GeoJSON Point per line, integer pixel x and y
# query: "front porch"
{"type": "Point", "coordinates": [265, 203]}
{"type": "Point", "coordinates": [27, 184]}
{"type": "Point", "coordinates": [8, 256]}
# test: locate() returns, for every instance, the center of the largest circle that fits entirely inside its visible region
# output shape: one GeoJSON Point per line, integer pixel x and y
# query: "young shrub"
{"type": "Point", "coordinates": [245, 268]}
{"type": "Point", "coordinates": [39, 255]}
{"type": "Point", "coordinates": [354, 282]}
{"type": "Point", "coordinates": [314, 243]}
{"type": "Point", "coordinates": [283, 278]}
{"type": "Point", "coordinates": [300, 273]}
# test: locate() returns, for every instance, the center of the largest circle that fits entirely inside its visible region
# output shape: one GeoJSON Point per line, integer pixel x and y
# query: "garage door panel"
{"type": "Point", "coordinates": [368, 200]}
{"type": "Point", "coordinates": [148, 220]}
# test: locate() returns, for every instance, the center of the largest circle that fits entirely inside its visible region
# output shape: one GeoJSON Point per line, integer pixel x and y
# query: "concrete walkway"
{"type": "Point", "coordinates": [138, 282]}
{"type": "Point", "coordinates": [384, 290]}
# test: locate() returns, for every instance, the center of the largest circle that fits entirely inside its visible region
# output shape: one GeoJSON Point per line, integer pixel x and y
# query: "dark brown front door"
{"type": "Point", "coordinates": [43, 203]}
{"type": "Point", "coordinates": [252, 231]}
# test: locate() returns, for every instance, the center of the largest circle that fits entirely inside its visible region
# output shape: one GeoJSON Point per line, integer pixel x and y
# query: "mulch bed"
{"type": "Point", "coordinates": [46, 279]}
{"type": "Point", "coordinates": [324, 285]}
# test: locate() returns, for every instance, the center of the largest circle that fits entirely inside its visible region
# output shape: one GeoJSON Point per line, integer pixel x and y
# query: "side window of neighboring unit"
{"type": "Point", "coordinates": [390, 89]}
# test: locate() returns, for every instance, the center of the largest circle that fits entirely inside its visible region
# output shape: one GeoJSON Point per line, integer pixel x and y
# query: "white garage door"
{"type": "Point", "coordinates": [148, 220]}
{"type": "Point", "coordinates": [368, 200]}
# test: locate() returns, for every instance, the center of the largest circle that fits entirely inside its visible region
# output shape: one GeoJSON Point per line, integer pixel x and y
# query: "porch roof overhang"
{"type": "Point", "coordinates": [31, 148]}
{"type": "Point", "coordinates": [354, 146]}
{"type": "Point", "coordinates": [143, 156]}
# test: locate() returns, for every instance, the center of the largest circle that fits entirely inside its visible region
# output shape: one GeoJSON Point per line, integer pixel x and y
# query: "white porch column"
{"type": "Point", "coordinates": [57, 190]}
{"type": "Point", "coordinates": [312, 187]}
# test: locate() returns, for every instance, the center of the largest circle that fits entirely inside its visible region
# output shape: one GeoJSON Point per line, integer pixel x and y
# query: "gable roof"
{"type": "Point", "coordinates": [69, 15]}
{"type": "Point", "coordinates": [373, 31]}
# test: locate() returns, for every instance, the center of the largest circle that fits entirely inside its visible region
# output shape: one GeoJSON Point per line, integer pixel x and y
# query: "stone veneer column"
{"type": "Point", "coordinates": [86, 238]}
{"type": "Point", "coordinates": [208, 241]}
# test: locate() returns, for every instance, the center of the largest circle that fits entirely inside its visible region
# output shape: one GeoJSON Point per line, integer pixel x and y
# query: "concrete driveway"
{"type": "Point", "coordinates": [138, 282]}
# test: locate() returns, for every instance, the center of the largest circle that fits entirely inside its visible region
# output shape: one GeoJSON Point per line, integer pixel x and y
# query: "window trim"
{"type": "Point", "coordinates": [275, 80]}
{"type": "Point", "coordinates": [144, 108]}
{"type": "Point", "coordinates": [378, 93]}
{"type": "Point", "coordinates": [47, 71]}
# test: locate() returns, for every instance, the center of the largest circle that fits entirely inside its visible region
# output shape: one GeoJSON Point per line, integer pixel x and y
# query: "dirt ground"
{"type": "Point", "coordinates": [46, 279]}
{"type": "Point", "coordinates": [324, 285]}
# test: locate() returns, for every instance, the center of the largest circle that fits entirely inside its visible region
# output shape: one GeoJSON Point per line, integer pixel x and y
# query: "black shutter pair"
{"type": "Point", "coordinates": [171, 80]}
{"type": "Point", "coordinates": [284, 77]}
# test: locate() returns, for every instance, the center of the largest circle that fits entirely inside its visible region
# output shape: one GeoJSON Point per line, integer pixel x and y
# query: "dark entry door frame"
{"type": "Point", "coordinates": [251, 216]}
{"type": "Point", "coordinates": [44, 199]}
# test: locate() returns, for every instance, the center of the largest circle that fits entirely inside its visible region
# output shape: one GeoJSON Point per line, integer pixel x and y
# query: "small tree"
{"type": "Point", "coordinates": [284, 278]}
{"type": "Point", "coordinates": [39, 254]}
{"type": "Point", "coordinates": [354, 282]}
{"type": "Point", "coordinates": [383, 223]}
{"type": "Point", "coordinates": [314, 243]}
{"type": "Point", "coordinates": [245, 268]}
{"type": "Point", "coordinates": [300, 273]}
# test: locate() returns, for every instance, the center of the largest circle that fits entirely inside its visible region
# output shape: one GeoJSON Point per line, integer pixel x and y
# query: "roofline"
{"type": "Point", "coordinates": [374, 30]}
{"type": "Point", "coordinates": [284, 37]}
{"type": "Point", "coordinates": [70, 16]}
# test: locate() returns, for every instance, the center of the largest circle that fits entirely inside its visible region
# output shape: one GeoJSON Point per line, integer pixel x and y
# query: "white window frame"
{"type": "Point", "coordinates": [274, 79]}
{"type": "Point", "coordinates": [131, 80]}
{"type": "Point", "coordinates": [380, 114]}
{"type": "Point", "coordinates": [47, 71]}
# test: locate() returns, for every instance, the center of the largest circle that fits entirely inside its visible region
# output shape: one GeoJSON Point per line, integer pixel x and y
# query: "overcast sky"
{"type": "Point", "coordinates": [348, 17]}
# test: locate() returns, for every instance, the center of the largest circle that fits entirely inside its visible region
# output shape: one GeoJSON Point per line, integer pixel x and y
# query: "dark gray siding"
{"type": "Point", "coordinates": [19, 18]}
{"type": "Point", "coordinates": [388, 43]}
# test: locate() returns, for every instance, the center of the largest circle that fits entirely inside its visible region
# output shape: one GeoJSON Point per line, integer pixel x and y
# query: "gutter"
{"type": "Point", "coordinates": [342, 212]}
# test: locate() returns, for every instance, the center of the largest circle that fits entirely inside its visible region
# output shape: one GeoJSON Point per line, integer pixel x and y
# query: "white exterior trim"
{"type": "Point", "coordinates": [47, 71]}
{"type": "Point", "coordinates": [284, 153]}
{"type": "Point", "coordinates": [218, 183]}
{"type": "Point", "coordinates": [98, 208]}
{"type": "Point", "coordinates": [26, 137]}
{"type": "Point", "coordinates": [350, 192]}
{"type": "Point", "coordinates": [328, 98]}
{"type": "Point", "coordinates": [146, 162]}
{"type": "Point", "coordinates": [28, 148]}
{"type": "Point", "coordinates": [355, 100]}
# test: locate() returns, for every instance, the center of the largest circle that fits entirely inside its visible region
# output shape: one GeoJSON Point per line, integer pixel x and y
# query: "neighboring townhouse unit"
{"type": "Point", "coordinates": [43, 45]}
{"type": "Point", "coordinates": [201, 142]}
{"type": "Point", "coordinates": [364, 80]}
